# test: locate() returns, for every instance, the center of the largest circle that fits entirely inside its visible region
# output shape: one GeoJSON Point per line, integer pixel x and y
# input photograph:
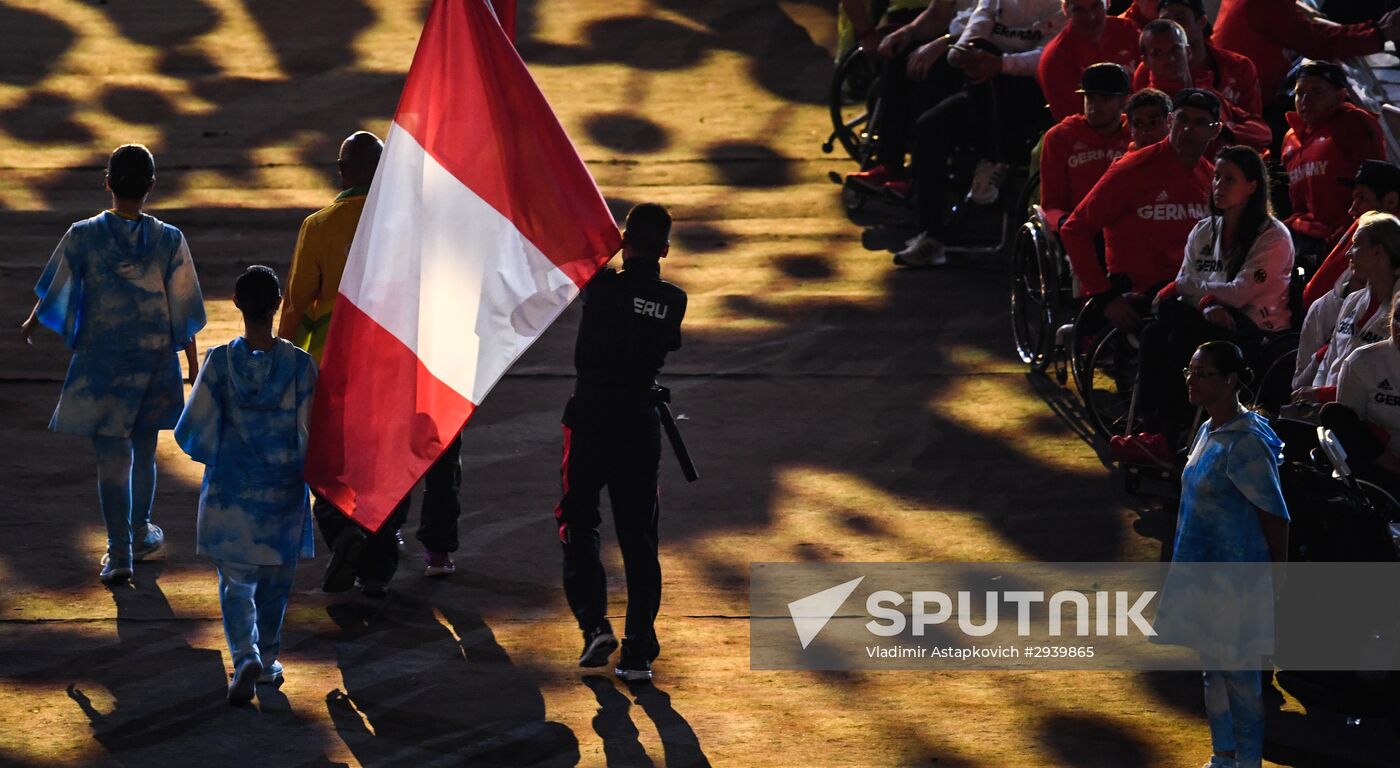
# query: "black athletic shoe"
{"type": "Point", "coordinates": [345, 553]}
{"type": "Point", "coordinates": [598, 645]}
{"type": "Point", "coordinates": [632, 669]}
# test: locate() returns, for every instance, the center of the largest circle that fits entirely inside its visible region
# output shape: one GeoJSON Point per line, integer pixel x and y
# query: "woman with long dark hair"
{"type": "Point", "coordinates": [1233, 285]}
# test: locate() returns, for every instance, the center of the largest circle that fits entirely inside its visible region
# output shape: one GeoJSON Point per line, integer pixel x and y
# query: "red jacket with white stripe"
{"type": "Point", "coordinates": [1072, 159]}
{"type": "Point", "coordinates": [1318, 158]}
{"type": "Point", "coordinates": [1263, 29]}
{"type": "Point", "coordinates": [1146, 205]}
{"type": "Point", "coordinates": [1231, 75]}
{"type": "Point", "coordinates": [1065, 58]}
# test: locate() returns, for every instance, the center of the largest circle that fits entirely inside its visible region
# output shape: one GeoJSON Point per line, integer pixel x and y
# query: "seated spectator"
{"type": "Point", "coordinates": [1148, 113]}
{"type": "Point", "coordinates": [1229, 74]}
{"type": "Point", "coordinates": [1140, 12]}
{"type": "Point", "coordinates": [1145, 205]}
{"type": "Point", "coordinates": [1328, 137]}
{"type": "Point", "coordinates": [1080, 148]}
{"type": "Point", "coordinates": [1375, 255]}
{"type": "Point", "coordinates": [1271, 32]}
{"type": "Point", "coordinates": [1000, 112]}
{"type": "Point", "coordinates": [1366, 415]}
{"type": "Point", "coordinates": [1232, 285]}
{"type": "Point", "coordinates": [1091, 37]}
{"type": "Point", "coordinates": [1375, 188]}
{"type": "Point", "coordinates": [861, 22]}
{"type": "Point", "coordinates": [904, 58]}
{"type": "Point", "coordinates": [1169, 64]}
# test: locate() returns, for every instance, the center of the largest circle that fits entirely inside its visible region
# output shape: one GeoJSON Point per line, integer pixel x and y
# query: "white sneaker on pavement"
{"type": "Point", "coordinates": [922, 251]}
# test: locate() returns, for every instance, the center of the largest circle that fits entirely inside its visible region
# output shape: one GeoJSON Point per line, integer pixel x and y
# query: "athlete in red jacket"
{"type": "Point", "coordinates": [1140, 12]}
{"type": "Point", "coordinates": [1328, 137]}
{"type": "Point", "coordinates": [1091, 37]}
{"type": "Point", "coordinates": [1167, 59]}
{"type": "Point", "coordinates": [1226, 72]}
{"type": "Point", "coordinates": [1146, 205]}
{"type": "Point", "coordinates": [1148, 115]}
{"type": "Point", "coordinates": [1376, 187]}
{"type": "Point", "coordinates": [1078, 149]}
{"type": "Point", "coordinates": [1263, 29]}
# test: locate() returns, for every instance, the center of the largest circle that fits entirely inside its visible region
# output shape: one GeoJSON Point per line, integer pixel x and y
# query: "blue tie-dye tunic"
{"type": "Point", "coordinates": [1231, 472]}
{"type": "Point", "coordinates": [125, 298]}
{"type": "Point", "coordinates": [246, 421]}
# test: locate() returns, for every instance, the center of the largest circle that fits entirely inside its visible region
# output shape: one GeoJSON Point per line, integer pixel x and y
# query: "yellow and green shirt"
{"type": "Point", "coordinates": [317, 265]}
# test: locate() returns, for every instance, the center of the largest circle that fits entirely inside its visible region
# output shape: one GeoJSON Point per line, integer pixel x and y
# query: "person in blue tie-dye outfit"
{"type": "Point", "coordinates": [1232, 511]}
{"type": "Point", "coordinates": [122, 291]}
{"type": "Point", "coordinates": [246, 421]}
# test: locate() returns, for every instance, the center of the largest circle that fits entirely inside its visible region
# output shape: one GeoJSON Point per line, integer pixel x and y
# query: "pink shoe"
{"type": "Point", "coordinates": [1142, 449]}
{"type": "Point", "coordinates": [438, 564]}
{"type": "Point", "coordinates": [876, 178]}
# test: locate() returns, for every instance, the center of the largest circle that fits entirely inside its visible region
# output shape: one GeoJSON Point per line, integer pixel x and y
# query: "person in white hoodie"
{"type": "Point", "coordinates": [1365, 315]}
{"type": "Point", "coordinates": [1233, 285]}
{"type": "Point", "coordinates": [1366, 415]}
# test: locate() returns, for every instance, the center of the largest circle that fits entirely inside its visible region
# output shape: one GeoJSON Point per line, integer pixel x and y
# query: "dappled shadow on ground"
{"type": "Point", "coordinates": [316, 91]}
{"type": "Point", "coordinates": [870, 390]}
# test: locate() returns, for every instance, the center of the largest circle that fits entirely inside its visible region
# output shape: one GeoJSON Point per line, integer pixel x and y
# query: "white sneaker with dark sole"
{"type": "Point", "coordinates": [922, 251]}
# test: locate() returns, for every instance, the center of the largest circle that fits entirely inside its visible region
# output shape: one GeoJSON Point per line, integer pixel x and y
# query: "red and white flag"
{"type": "Point", "coordinates": [480, 228]}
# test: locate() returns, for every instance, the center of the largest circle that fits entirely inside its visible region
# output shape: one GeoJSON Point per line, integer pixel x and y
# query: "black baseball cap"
{"type": "Point", "coordinates": [1327, 70]}
{"type": "Point", "coordinates": [1197, 6]}
{"type": "Point", "coordinates": [1198, 98]}
{"type": "Point", "coordinates": [1380, 176]}
{"type": "Point", "coordinates": [1105, 77]}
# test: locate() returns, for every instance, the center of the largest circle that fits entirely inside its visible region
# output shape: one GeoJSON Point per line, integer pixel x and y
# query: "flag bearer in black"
{"type": "Point", "coordinates": [612, 437]}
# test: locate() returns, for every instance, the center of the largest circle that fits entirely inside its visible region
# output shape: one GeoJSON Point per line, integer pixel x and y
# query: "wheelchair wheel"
{"type": "Point", "coordinates": [1030, 196]}
{"type": "Point", "coordinates": [852, 101]}
{"type": "Point", "coordinates": [1033, 292]}
{"type": "Point", "coordinates": [1107, 379]}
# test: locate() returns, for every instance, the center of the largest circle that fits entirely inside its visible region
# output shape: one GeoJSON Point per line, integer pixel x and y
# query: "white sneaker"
{"type": "Point", "coordinates": [987, 181]}
{"type": "Point", "coordinates": [922, 251]}
{"type": "Point", "coordinates": [271, 674]}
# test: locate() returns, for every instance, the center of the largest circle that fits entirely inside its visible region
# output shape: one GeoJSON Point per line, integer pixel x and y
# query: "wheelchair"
{"type": "Point", "coordinates": [1042, 285]}
{"type": "Point", "coordinates": [852, 102]}
{"type": "Point", "coordinates": [1337, 516]}
{"type": "Point", "coordinates": [1105, 366]}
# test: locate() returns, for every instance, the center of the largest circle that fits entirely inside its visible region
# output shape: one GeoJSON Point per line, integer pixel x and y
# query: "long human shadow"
{"type": "Point", "coordinates": [426, 683]}
{"type": "Point", "coordinates": [613, 723]}
{"type": "Point", "coordinates": [153, 699]}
